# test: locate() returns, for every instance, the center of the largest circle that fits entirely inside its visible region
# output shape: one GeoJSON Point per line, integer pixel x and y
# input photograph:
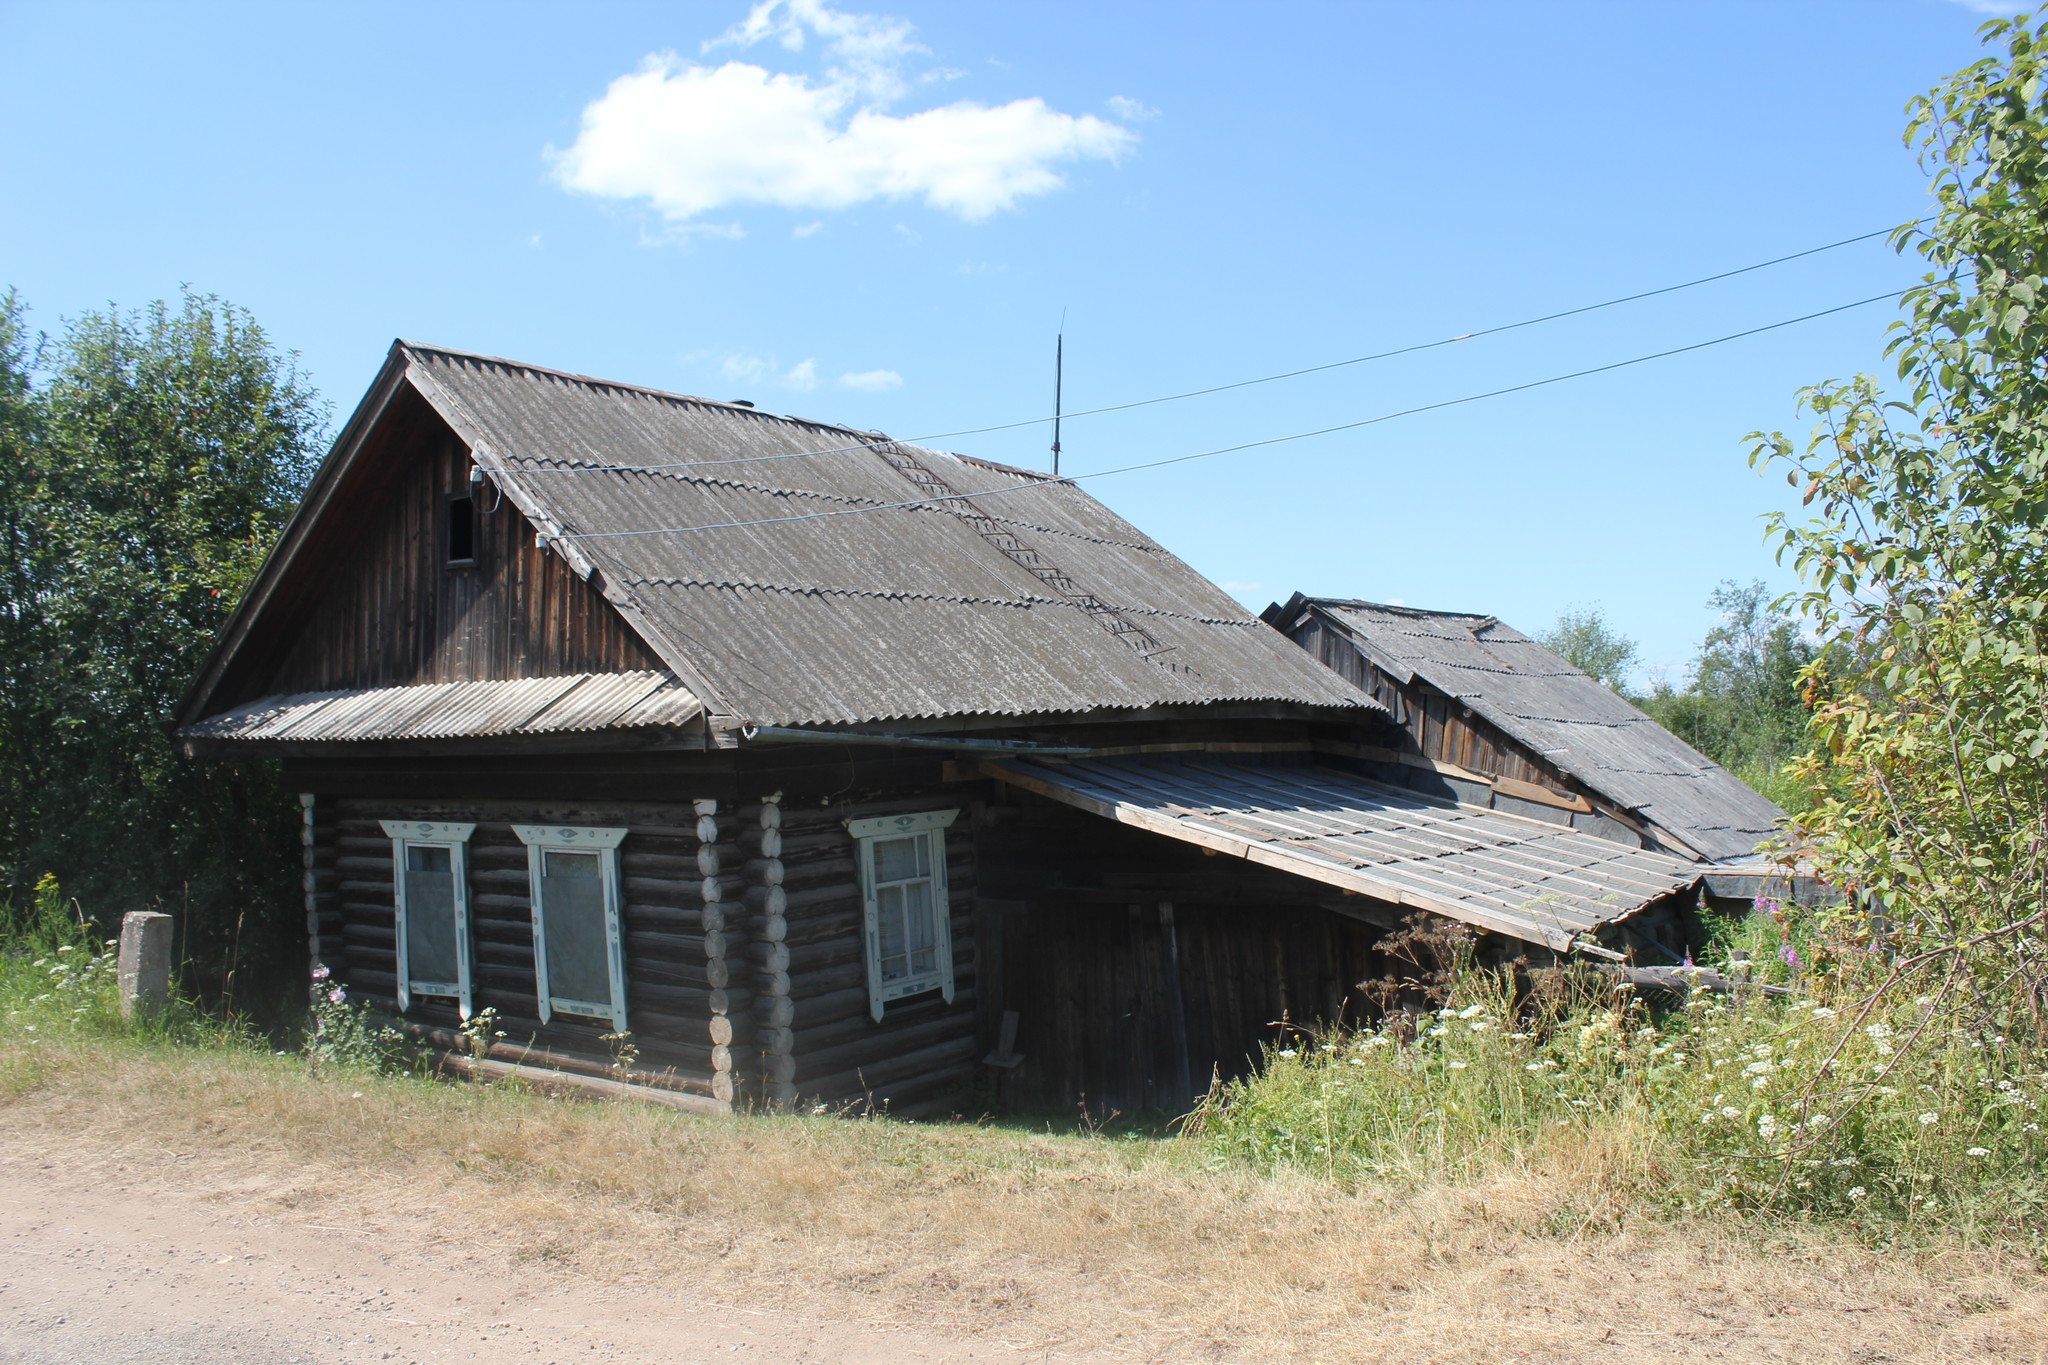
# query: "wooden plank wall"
{"type": "Point", "coordinates": [394, 613]}
{"type": "Point", "coordinates": [1120, 1009]}
{"type": "Point", "coordinates": [668, 988]}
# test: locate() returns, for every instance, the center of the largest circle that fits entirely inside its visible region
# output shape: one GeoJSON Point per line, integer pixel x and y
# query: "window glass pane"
{"type": "Point", "coordinates": [898, 859]}
{"type": "Point", "coordinates": [430, 916]}
{"type": "Point", "coordinates": [572, 917]}
{"type": "Point", "coordinates": [559, 864]}
{"type": "Point", "coordinates": [889, 923]}
{"type": "Point", "coordinates": [920, 928]}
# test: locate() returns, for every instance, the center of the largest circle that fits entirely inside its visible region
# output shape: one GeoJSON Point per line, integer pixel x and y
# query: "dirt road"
{"type": "Point", "coordinates": [97, 1272]}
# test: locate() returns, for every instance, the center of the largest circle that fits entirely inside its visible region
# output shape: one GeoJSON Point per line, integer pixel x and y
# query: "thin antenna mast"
{"type": "Point", "coordinates": [1059, 366]}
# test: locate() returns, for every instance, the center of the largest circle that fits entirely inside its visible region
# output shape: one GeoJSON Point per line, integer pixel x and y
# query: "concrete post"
{"type": "Point", "coordinates": [144, 966]}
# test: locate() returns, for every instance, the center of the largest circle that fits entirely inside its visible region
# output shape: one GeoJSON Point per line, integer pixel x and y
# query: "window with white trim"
{"type": "Point", "coordinates": [430, 892]}
{"type": "Point", "coordinates": [579, 960]}
{"type": "Point", "coordinates": [908, 931]}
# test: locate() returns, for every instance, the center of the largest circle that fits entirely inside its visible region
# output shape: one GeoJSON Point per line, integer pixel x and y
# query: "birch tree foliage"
{"type": "Point", "coordinates": [1923, 550]}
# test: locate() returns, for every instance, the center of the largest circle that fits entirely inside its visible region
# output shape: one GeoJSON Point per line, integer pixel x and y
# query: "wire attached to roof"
{"type": "Point", "coordinates": [1041, 482]}
{"type": "Point", "coordinates": [1410, 349]}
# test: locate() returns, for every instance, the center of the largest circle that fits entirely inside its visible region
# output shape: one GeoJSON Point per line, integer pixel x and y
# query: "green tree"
{"type": "Point", "coordinates": [167, 447]}
{"type": "Point", "coordinates": [1925, 556]}
{"type": "Point", "coordinates": [1585, 641]}
{"type": "Point", "coordinates": [1743, 705]}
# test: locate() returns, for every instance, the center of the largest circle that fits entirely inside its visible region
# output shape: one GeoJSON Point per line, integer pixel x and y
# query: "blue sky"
{"type": "Point", "coordinates": [878, 215]}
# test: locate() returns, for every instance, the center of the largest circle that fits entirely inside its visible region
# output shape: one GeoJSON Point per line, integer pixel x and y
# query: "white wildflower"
{"type": "Point", "coordinates": [1479, 1026]}
{"type": "Point", "coordinates": [1458, 1066]}
{"type": "Point", "coordinates": [1288, 1052]}
{"type": "Point", "coordinates": [1766, 1124]}
{"type": "Point", "coordinates": [1857, 1191]}
{"type": "Point", "coordinates": [1980, 1151]}
{"type": "Point", "coordinates": [1730, 1111]}
{"type": "Point", "coordinates": [1438, 1032]}
{"type": "Point", "coordinates": [1879, 1031]}
{"type": "Point", "coordinates": [1471, 1011]}
{"type": "Point", "coordinates": [1926, 1119]}
{"type": "Point", "coordinates": [1823, 1012]}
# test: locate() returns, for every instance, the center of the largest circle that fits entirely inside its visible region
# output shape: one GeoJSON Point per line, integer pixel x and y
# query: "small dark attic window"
{"type": "Point", "coordinates": [460, 530]}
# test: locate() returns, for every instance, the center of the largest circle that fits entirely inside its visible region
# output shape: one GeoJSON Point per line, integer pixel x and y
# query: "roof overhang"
{"type": "Point", "coordinates": [1539, 882]}
{"type": "Point", "coordinates": [517, 708]}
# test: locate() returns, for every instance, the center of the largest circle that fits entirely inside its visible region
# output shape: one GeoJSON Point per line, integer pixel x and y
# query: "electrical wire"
{"type": "Point", "coordinates": [1248, 445]}
{"type": "Point", "coordinates": [1238, 384]}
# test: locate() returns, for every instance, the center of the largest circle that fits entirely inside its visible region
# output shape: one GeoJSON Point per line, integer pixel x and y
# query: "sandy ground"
{"type": "Point", "coordinates": [95, 1270]}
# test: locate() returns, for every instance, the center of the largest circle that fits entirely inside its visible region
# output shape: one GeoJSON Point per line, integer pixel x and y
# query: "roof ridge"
{"type": "Point", "coordinates": [1400, 610]}
{"type": "Point", "coordinates": [924, 595]}
{"type": "Point", "coordinates": [670, 395]}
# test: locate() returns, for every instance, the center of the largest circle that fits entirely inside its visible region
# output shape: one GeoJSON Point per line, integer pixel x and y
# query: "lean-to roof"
{"type": "Point", "coordinates": [1553, 709]}
{"type": "Point", "coordinates": [1536, 881]}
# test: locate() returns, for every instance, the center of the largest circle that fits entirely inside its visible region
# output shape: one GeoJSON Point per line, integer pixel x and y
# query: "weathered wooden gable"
{"type": "Point", "coordinates": [371, 600]}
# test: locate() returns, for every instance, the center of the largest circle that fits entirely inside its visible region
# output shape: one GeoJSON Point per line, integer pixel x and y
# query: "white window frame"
{"type": "Point", "coordinates": [865, 832]}
{"type": "Point", "coordinates": [453, 836]}
{"type": "Point", "coordinates": [541, 840]}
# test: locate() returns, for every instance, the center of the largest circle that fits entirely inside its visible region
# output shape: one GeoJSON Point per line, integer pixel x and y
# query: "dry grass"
{"type": "Point", "coordinates": [1121, 1248]}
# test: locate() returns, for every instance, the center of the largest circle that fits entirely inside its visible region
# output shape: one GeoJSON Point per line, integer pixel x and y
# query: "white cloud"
{"type": "Point", "coordinates": [741, 368]}
{"type": "Point", "coordinates": [1130, 110]}
{"type": "Point", "coordinates": [1995, 6]}
{"type": "Point", "coordinates": [806, 229]}
{"type": "Point", "coordinates": [873, 381]}
{"type": "Point", "coordinates": [690, 139]}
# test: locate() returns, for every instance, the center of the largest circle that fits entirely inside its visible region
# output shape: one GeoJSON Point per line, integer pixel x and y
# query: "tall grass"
{"type": "Point", "coordinates": [1888, 1115]}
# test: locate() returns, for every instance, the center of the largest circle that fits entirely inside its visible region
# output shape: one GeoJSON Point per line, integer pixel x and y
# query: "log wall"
{"type": "Point", "coordinates": [673, 992]}
{"type": "Point", "coordinates": [837, 1054]}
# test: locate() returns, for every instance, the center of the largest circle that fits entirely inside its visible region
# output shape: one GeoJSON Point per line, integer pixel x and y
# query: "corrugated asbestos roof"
{"type": "Point", "coordinates": [461, 710]}
{"type": "Point", "coordinates": [1027, 597]}
{"type": "Point", "coordinates": [1526, 878]}
{"type": "Point", "coordinates": [1544, 703]}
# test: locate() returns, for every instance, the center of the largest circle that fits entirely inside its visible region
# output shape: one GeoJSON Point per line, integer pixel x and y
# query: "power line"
{"type": "Point", "coordinates": [1238, 384]}
{"type": "Point", "coordinates": [1248, 445]}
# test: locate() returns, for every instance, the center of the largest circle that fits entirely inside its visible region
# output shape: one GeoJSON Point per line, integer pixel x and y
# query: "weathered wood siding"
{"type": "Point", "coordinates": [1138, 967]}
{"type": "Point", "coordinates": [669, 987]}
{"type": "Point", "coordinates": [392, 612]}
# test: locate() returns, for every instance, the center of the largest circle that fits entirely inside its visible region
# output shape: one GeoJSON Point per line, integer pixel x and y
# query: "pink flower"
{"type": "Point", "coordinates": [336, 996]}
{"type": "Point", "coordinates": [320, 972]}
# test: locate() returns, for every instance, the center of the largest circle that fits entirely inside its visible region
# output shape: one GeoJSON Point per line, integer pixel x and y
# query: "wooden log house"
{"type": "Point", "coordinates": [832, 769]}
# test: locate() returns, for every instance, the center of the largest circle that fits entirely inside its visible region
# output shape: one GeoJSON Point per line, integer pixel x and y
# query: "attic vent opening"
{"type": "Point", "coordinates": [458, 537]}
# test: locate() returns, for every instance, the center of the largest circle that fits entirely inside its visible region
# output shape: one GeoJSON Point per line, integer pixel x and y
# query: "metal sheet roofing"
{"type": "Point", "coordinates": [1535, 881]}
{"type": "Point", "coordinates": [1022, 595]}
{"type": "Point", "coordinates": [458, 710]}
{"type": "Point", "coordinates": [1549, 706]}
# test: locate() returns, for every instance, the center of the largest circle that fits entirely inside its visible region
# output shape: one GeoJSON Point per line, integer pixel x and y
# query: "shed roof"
{"type": "Point", "coordinates": [461, 710]}
{"type": "Point", "coordinates": [936, 585]}
{"type": "Point", "coordinates": [1544, 703]}
{"type": "Point", "coordinates": [1530, 879]}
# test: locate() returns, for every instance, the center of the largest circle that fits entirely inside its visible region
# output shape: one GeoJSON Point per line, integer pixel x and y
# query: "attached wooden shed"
{"type": "Point", "coordinates": [834, 770]}
{"type": "Point", "coordinates": [1488, 715]}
